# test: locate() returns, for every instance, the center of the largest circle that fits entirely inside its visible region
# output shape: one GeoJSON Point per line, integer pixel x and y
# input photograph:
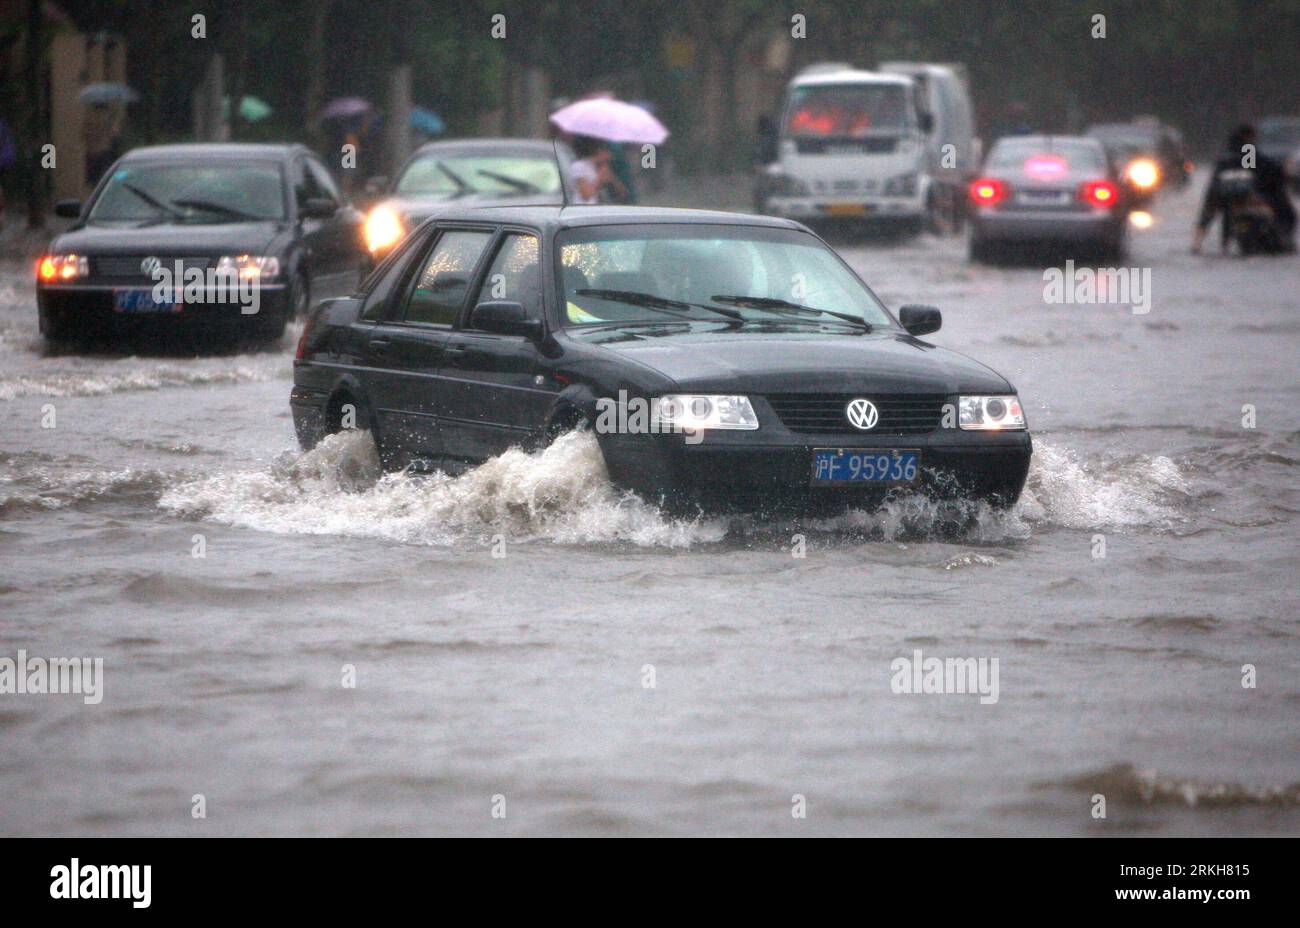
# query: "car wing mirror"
{"type": "Point", "coordinates": [67, 209]}
{"type": "Point", "coordinates": [318, 208]}
{"type": "Point", "coordinates": [503, 317]}
{"type": "Point", "coordinates": [376, 185]}
{"type": "Point", "coordinates": [920, 320]}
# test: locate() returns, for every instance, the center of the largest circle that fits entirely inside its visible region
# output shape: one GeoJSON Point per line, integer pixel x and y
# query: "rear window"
{"type": "Point", "coordinates": [1078, 155]}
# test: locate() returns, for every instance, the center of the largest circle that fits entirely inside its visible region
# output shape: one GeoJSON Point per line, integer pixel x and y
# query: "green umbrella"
{"type": "Point", "coordinates": [251, 109]}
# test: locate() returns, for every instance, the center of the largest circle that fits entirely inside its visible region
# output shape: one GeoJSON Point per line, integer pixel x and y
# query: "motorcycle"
{"type": "Point", "coordinates": [1248, 219]}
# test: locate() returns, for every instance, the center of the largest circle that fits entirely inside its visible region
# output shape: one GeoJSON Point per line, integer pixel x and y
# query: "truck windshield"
{"type": "Point", "coordinates": [846, 110]}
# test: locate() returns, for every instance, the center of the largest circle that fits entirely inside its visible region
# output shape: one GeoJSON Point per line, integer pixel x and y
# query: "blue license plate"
{"type": "Point", "coordinates": [141, 301]}
{"type": "Point", "coordinates": [837, 465]}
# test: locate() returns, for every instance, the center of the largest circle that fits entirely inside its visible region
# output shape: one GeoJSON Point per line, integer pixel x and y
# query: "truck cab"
{"type": "Point", "coordinates": [851, 145]}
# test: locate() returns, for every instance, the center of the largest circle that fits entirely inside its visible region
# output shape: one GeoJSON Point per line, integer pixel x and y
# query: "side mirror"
{"type": "Point", "coordinates": [317, 208]}
{"type": "Point", "coordinates": [68, 209]}
{"type": "Point", "coordinates": [376, 185]}
{"type": "Point", "coordinates": [502, 317]}
{"type": "Point", "coordinates": [920, 320]}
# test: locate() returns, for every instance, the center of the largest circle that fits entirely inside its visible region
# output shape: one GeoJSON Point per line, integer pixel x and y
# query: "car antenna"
{"type": "Point", "coordinates": [564, 181]}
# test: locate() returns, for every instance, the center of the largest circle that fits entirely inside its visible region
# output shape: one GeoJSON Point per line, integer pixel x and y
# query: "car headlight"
{"type": "Point", "coordinates": [1143, 173]}
{"type": "Point", "coordinates": [53, 268]}
{"type": "Point", "coordinates": [250, 267]}
{"type": "Point", "coordinates": [701, 411]}
{"type": "Point", "coordinates": [384, 229]}
{"type": "Point", "coordinates": [991, 413]}
{"type": "Point", "coordinates": [783, 185]}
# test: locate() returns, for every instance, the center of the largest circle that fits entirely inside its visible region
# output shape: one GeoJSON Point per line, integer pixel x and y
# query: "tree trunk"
{"type": "Point", "coordinates": [313, 97]}
{"type": "Point", "coordinates": [37, 128]}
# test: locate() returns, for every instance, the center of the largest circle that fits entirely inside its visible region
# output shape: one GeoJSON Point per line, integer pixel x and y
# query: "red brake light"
{"type": "Point", "coordinates": [301, 350]}
{"type": "Point", "coordinates": [1099, 193]}
{"type": "Point", "coordinates": [987, 191]}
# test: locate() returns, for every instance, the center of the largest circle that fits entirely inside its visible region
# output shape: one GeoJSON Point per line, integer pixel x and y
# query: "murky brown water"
{"type": "Point", "coordinates": [523, 676]}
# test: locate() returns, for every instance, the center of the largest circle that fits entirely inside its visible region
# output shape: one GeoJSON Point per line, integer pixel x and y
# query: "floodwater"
{"type": "Point", "coordinates": [618, 672]}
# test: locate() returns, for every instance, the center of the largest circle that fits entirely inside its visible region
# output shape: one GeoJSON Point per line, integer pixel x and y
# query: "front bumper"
{"type": "Point", "coordinates": [88, 309]}
{"type": "Point", "coordinates": [750, 471]}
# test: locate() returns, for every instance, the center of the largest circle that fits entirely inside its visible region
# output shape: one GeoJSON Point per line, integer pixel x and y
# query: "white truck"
{"type": "Point", "coordinates": [869, 146]}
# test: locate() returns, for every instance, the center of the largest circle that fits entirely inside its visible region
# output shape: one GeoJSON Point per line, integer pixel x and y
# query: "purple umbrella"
{"type": "Point", "coordinates": [344, 108]}
{"type": "Point", "coordinates": [611, 120]}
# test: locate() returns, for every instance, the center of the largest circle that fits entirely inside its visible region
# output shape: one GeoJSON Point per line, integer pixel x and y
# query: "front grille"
{"type": "Point", "coordinates": [129, 265]}
{"type": "Point", "coordinates": [872, 145]}
{"type": "Point", "coordinates": [823, 413]}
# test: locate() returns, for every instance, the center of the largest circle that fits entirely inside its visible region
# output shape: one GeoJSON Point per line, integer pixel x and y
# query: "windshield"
{"type": "Point", "coordinates": [846, 110]}
{"type": "Point", "coordinates": [192, 193]}
{"type": "Point", "coordinates": [1079, 155]}
{"type": "Point", "coordinates": [494, 175]}
{"type": "Point", "coordinates": [661, 273]}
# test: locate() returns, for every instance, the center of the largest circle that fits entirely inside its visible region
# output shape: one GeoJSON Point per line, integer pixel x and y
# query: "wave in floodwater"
{"type": "Point", "coordinates": [128, 376]}
{"type": "Point", "coordinates": [563, 494]}
{"type": "Point", "coordinates": [1130, 784]}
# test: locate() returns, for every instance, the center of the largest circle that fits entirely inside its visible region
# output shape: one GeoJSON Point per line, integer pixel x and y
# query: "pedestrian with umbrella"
{"type": "Point", "coordinates": [603, 119]}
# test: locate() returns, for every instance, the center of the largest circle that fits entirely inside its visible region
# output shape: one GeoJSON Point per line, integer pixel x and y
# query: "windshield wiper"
{"type": "Point", "coordinates": [462, 187]}
{"type": "Point", "coordinates": [661, 303]}
{"type": "Point", "coordinates": [522, 186]}
{"type": "Point", "coordinates": [776, 305]}
{"type": "Point", "coordinates": [215, 208]}
{"type": "Point", "coordinates": [153, 201]}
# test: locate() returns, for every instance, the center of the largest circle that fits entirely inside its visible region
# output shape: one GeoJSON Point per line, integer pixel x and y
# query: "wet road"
{"type": "Point", "coordinates": [520, 684]}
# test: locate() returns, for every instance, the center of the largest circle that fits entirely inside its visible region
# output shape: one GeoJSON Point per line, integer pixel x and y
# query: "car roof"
{"type": "Point", "coordinates": [233, 151]}
{"type": "Point", "coordinates": [849, 76]}
{"type": "Point", "coordinates": [553, 218]}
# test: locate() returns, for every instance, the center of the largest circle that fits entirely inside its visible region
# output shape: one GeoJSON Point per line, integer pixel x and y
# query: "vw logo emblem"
{"type": "Point", "coordinates": [150, 265]}
{"type": "Point", "coordinates": [862, 414]}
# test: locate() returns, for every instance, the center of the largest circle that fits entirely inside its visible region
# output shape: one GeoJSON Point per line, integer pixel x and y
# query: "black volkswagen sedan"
{"type": "Point", "coordinates": [721, 360]}
{"type": "Point", "coordinates": [233, 237]}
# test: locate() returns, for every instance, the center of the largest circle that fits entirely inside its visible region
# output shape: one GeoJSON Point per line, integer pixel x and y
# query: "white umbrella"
{"type": "Point", "coordinates": [611, 120]}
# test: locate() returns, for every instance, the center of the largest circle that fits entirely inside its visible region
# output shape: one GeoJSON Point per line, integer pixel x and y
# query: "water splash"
{"type": "Point", "coordinates": [563, 494]}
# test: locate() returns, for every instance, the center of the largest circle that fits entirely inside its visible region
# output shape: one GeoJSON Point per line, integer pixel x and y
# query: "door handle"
{"type": "Point", "coordinates": [455, 353]}
{"type": "Point", "coordinates": [379, 345]}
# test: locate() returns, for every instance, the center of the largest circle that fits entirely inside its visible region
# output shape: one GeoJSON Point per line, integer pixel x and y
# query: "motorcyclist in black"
{"type": "Point", "coordinates": [1222, 196]}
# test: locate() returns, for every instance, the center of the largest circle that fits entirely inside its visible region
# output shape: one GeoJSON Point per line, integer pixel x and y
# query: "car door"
{"type": "Point", "coordinates": [403, 349]}
{"type": "Point", "coordinates": [490, 396]}
{"type": "Point", "coordinates": [339, 246]}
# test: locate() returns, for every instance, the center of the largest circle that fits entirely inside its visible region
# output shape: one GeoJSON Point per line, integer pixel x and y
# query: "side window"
{"type": "Point", "coordinates": [441, 284]}
{"type": "Point", "coordinates": [515, 275]}
{"type": "Point", "coordinates": [302, 183]}
{"type": "Point", "coordinates": [324, 183]}
{"type": "Point", "coordinates": [382, 302]}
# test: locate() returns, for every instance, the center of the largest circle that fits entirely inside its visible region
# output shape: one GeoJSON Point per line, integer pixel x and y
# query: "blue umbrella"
{"type": "Point", "coordinates": [427, 121]}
